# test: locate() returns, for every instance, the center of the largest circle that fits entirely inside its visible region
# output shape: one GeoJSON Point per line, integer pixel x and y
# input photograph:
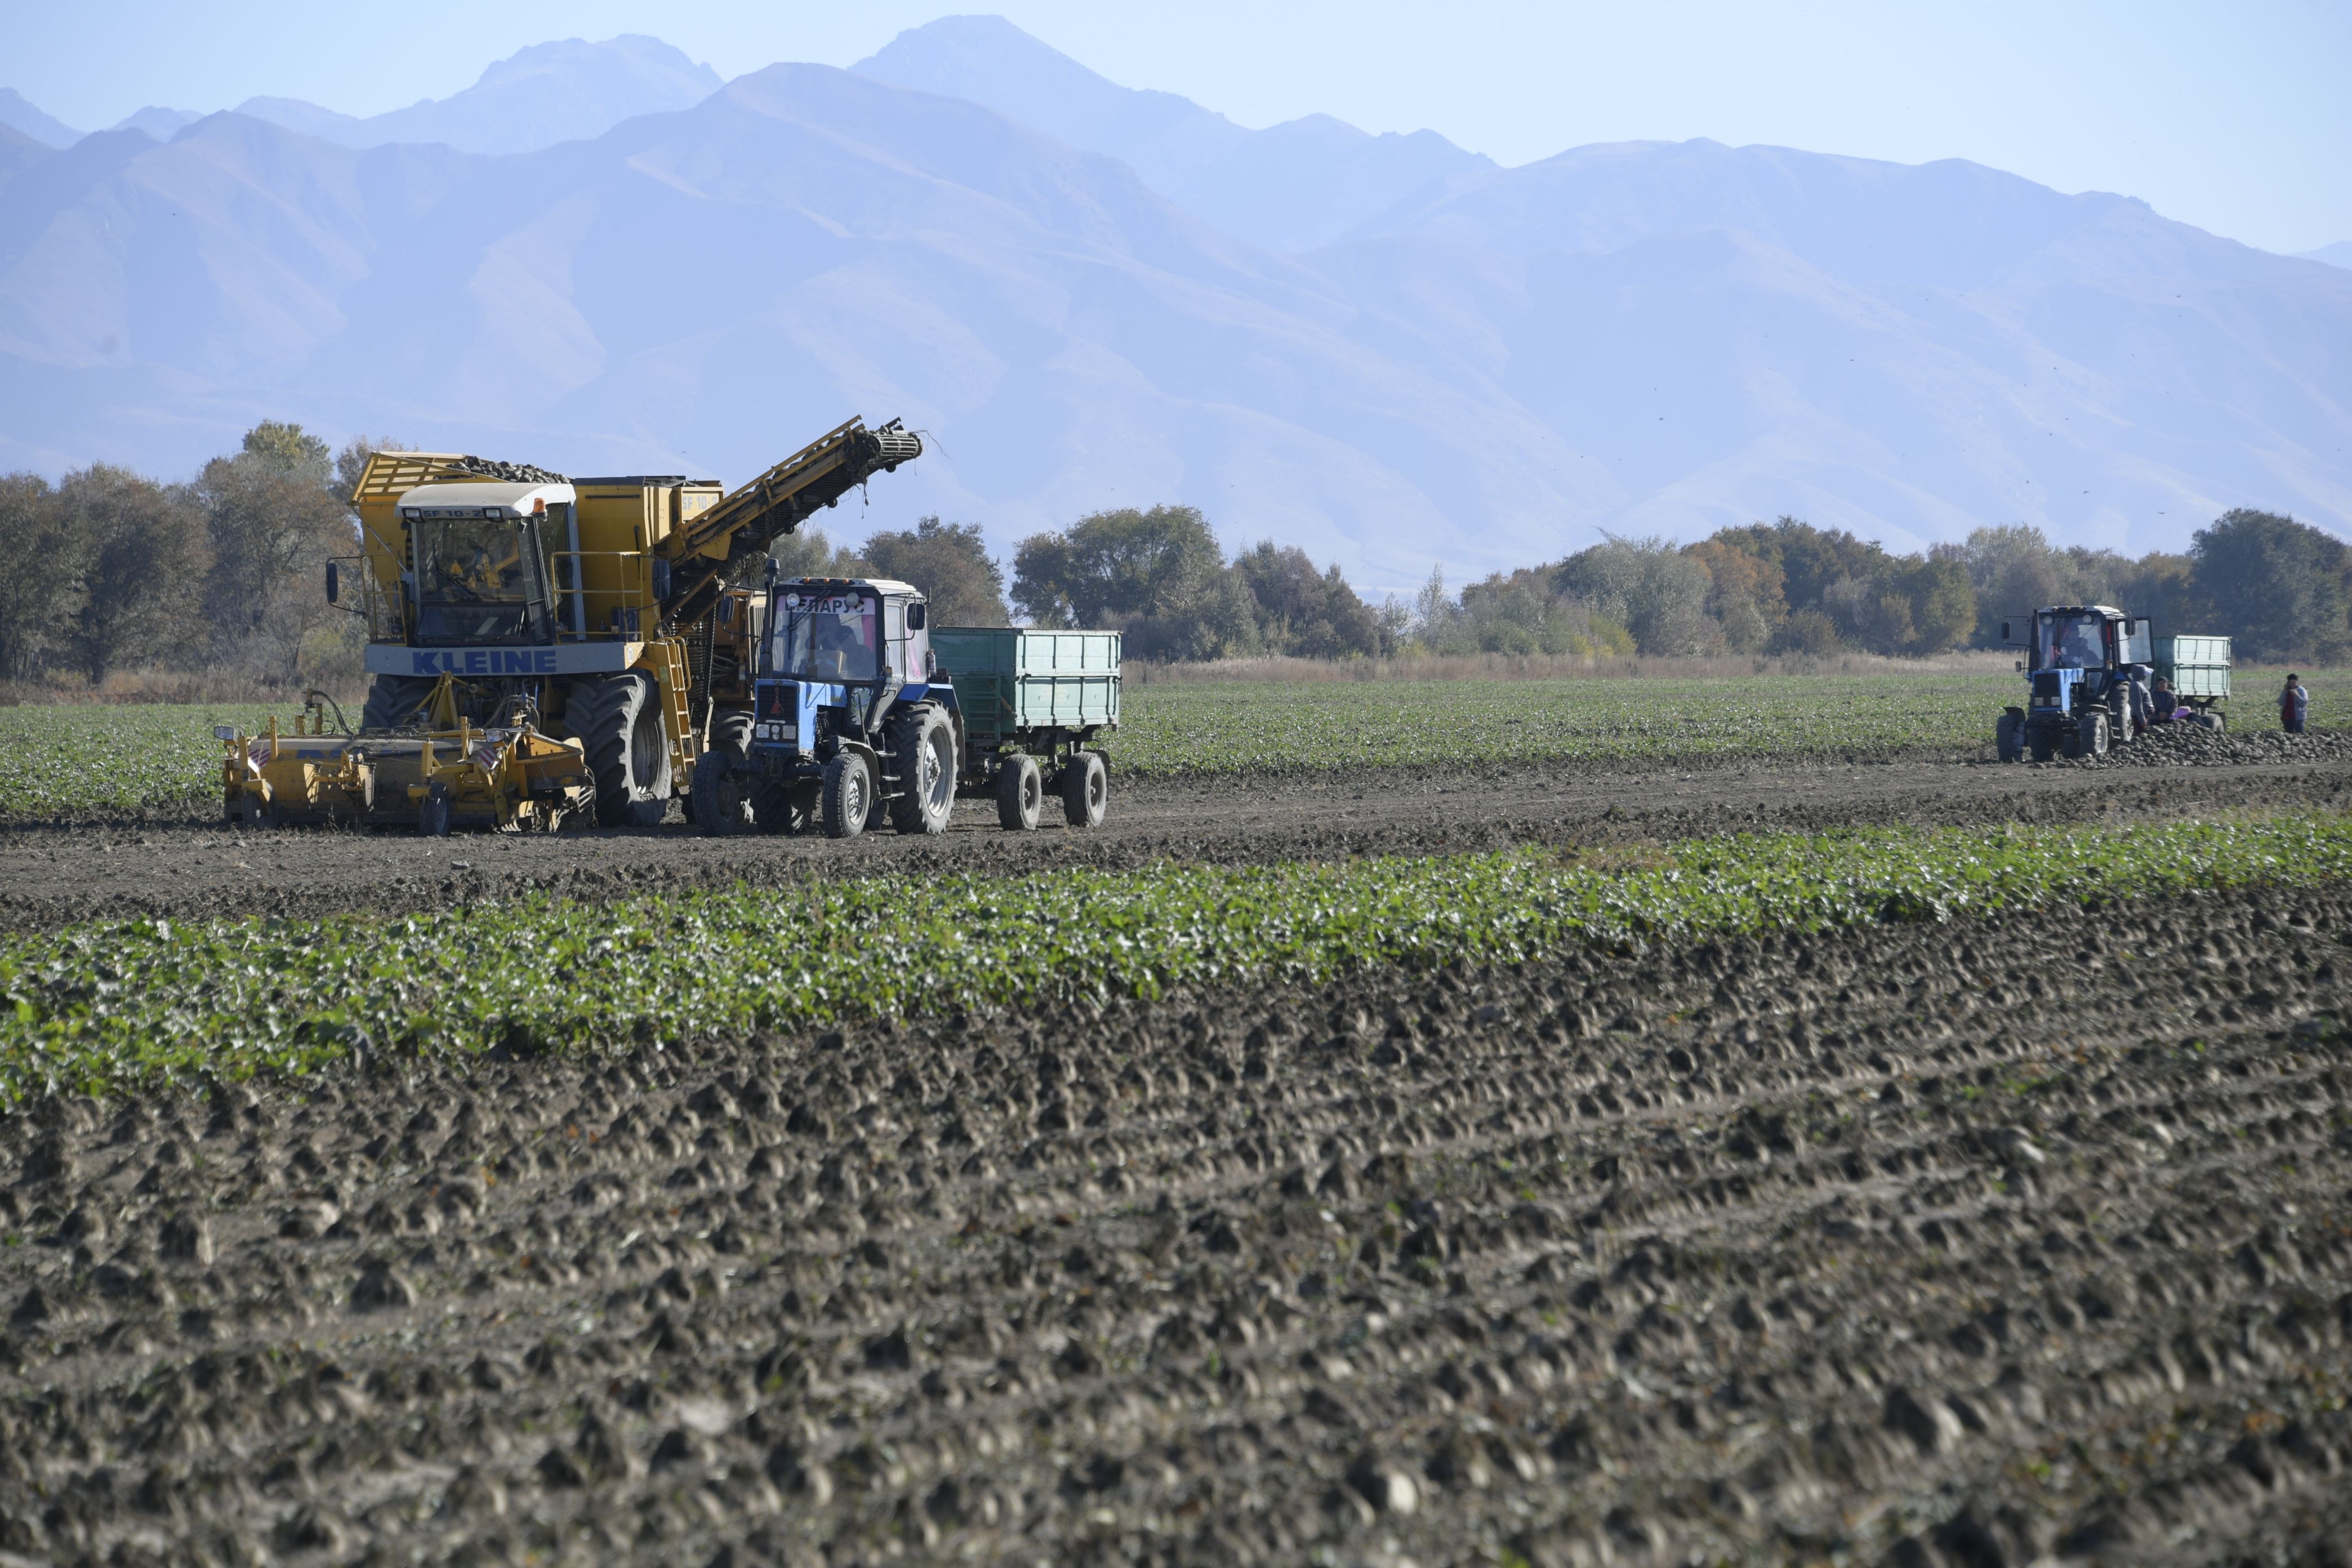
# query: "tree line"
{"type": "Point", "coordinates": [222, 573]}
{"type": "Point", "coordinates": [113, 569]}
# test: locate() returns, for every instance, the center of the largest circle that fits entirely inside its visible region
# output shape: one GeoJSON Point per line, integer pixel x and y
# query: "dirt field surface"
{"type": "Point", "coordinates": [1966, 1245]}
{"type": "Point", "coordinates": [51, 876]}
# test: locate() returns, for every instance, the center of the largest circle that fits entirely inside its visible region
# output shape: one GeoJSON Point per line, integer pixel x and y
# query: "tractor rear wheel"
{"type": "Point", "coordinates": [1085, 789]}
{"type": "Point", "coordinates": [721, 802]}
{"type": "Point", "coordinates": [2008, 737]}
{"type": "Point", "coordinates": [393, 701]}
{"type": "Point", "coordinates": [922, 745]}
{"type": "Point", "coordinates": [1020, 793]}
{"type": "Point", "coordinates": [618, 723]}
{"type": "Point", "coordinates": [846, 796]}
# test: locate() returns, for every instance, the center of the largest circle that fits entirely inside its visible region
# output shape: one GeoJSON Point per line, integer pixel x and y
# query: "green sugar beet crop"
{"type": "Point", "coordinates": [112, 1005]}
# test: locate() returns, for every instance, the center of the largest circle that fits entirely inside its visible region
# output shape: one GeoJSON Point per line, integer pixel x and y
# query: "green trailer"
{"type": "Point", "coordinates": [2199, 669]}
{"type": "Point", "coordinates": [1034, 704]}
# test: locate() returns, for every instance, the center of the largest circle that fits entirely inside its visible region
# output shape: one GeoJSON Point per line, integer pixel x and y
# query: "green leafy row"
{"type": "Point", "coordinates": [120, 1004]}
{"type": "Point", "coordinates": [1243, 726]}
{"type": "Point", "coordinates": [117, 758]}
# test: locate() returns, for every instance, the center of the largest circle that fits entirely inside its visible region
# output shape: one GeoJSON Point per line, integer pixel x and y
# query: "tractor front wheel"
{"type": "Point", "coordinates": [2091, 734]}
{"type": "Point", "coordinates": [618, 723]}
{"type": "Point", "coordinates": [846, 796]}
{"type": "Point", "coordinates": [2008, 737]}
{"type": "Point", "coordinates": [2038, 739]}
{"type": "Point", "coordinates": [923, 746]}
{"type": "Point", "coordinates": [719, 803]}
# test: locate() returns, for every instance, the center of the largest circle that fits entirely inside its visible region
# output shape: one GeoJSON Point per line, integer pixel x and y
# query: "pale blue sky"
{"type": "Point", "coordinates": [2232, 117]}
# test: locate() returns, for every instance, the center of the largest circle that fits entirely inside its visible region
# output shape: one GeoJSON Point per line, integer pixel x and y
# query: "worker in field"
{"type": "Point", "coordinates": [2294, 704]}
{"type": "Point", "coordinates": [2162, 702]}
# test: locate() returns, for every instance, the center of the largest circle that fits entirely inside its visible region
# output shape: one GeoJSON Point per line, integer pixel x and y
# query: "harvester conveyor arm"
{"type": "Point", "coordinates": [750, 518]}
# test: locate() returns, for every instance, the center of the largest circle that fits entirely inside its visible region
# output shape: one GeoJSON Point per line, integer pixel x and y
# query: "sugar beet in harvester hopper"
{"type": "Point", "coordinates": [544, 650]}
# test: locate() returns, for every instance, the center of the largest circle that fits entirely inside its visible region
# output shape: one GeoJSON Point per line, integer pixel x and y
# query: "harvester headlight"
{"type": "Point", "coordinates": [223, 733]}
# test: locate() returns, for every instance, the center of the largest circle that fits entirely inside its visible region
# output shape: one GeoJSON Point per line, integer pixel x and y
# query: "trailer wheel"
{"type": "Point", "coordinates": [1085, 789]}
{"type": "Point", "coordinates": [432, 816]}
{"type": "Point", "coordinates": [2008, 737]}
{"type": "Point", "coordinates": [392, 701]}
{"type": "Point", "coordinates": [719, 803]}
{"type": "Point", "coordinates": [1020, 793]}
{"type": "Point", "coordinates": [847, 795]}
{"type": "Point", "coordinates": [922, 744]}
{"type": "Point", "coordinates": [618, 723]}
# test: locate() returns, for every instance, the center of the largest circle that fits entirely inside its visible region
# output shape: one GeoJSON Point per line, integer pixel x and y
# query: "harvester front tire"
{"type": "Point", "coordinates": [721, 801]}
{"type": "Point", "coordinates": [433, 814]}
{"type": "Point", "coordinates": [847, 795]}
{"type": "Point", "coordinates": [393, 701]}
{"type": "Point", "coordinates": [2008, 737]}
{"type": "Point", "coordinates": [256, 815]}
{"type": "Point", "coordinates": [1085, 789]}
{"type": "Point", "coordinates": [923, 747]}
{"type": "Point", "coordinates": [1020, 793]}
{"type": "Point", "coordinates": [618, 723]}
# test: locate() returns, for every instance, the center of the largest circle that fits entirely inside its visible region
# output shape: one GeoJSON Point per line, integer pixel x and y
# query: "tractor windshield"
{"type": "Point", "coordinates": [2075, 641]}
{"type": "Point", "coordinates": [479, 580]}
{"type": "Point", "coordinates": [825, 635]}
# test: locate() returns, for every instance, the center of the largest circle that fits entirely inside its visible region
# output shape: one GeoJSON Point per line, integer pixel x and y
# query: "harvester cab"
{"type": "Point", "coordinates": [851, 718]}
{"type": "Point", "coordinates": [2080, 663]}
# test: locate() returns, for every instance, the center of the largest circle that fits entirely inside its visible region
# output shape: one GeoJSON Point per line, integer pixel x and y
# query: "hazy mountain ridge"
{"type": "Point", "coordinates": [1644, 337]}
{"type": "Point", "coordinates": [1291, 187]}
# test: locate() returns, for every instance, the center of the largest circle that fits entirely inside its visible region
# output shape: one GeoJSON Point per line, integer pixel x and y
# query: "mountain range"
{"type": "Point", "coordinates": [1386, 348]}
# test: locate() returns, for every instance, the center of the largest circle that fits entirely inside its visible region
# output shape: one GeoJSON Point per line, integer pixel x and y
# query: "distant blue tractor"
{"type": "Point", "coordinates": [2081, 666]}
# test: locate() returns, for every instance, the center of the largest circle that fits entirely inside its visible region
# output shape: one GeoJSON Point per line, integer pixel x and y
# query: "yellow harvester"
{"type": "Point", "coordinates": [543, 649]}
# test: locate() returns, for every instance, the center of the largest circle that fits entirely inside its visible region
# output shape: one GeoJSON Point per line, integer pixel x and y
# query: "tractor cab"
{"type": "Point", "coordinates": [2078, 668]}
{"type": "Point", "coordinates": [835, 653]}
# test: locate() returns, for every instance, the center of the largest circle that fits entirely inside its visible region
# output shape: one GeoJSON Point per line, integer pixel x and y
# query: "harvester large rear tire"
{"type": "Point", "coordinates": [721, 801]}
{"type": "Point", "coordinates": [847, 796]}
{"type": "Point", "coordinates": [2008, 737]}
{"type": "Point", "coordinates": [618, 722]}
{"type": "Point", "coordinates": [1020, 793]}
{"type": "Point", "coordinates": [1085, 789]}
{"type": "Point", "coordinates": [393, 701]}
{"type": "Point", "coordinates": [923, 750]}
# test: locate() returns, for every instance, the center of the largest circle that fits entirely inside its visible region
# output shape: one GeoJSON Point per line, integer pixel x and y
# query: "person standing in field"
{"type": "Point", "coordinates": [2295, 703]}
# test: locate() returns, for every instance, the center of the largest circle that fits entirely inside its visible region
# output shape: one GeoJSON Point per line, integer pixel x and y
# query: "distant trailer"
{"type": "Point", "coordinates": [1034, 704]}
{"type": "Point", "coordinates": [2197, 667]}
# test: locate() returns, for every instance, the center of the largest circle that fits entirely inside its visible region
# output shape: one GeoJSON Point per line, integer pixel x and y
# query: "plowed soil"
{"type": "Point", "coordinates": [54, 874]}
{"type": "Point", "coordinates": [1970, 1245]}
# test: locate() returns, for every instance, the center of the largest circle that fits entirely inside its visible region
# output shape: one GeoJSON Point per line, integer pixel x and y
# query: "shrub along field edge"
{"type": "Point", "coordinates": [112, 1005]}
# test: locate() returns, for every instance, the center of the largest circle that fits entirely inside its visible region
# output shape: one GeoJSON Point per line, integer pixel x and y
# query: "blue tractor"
{"type": "Point", "coordinates": [2086, 669]}
{"type": "Point", "coordinates": [851, 718]}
